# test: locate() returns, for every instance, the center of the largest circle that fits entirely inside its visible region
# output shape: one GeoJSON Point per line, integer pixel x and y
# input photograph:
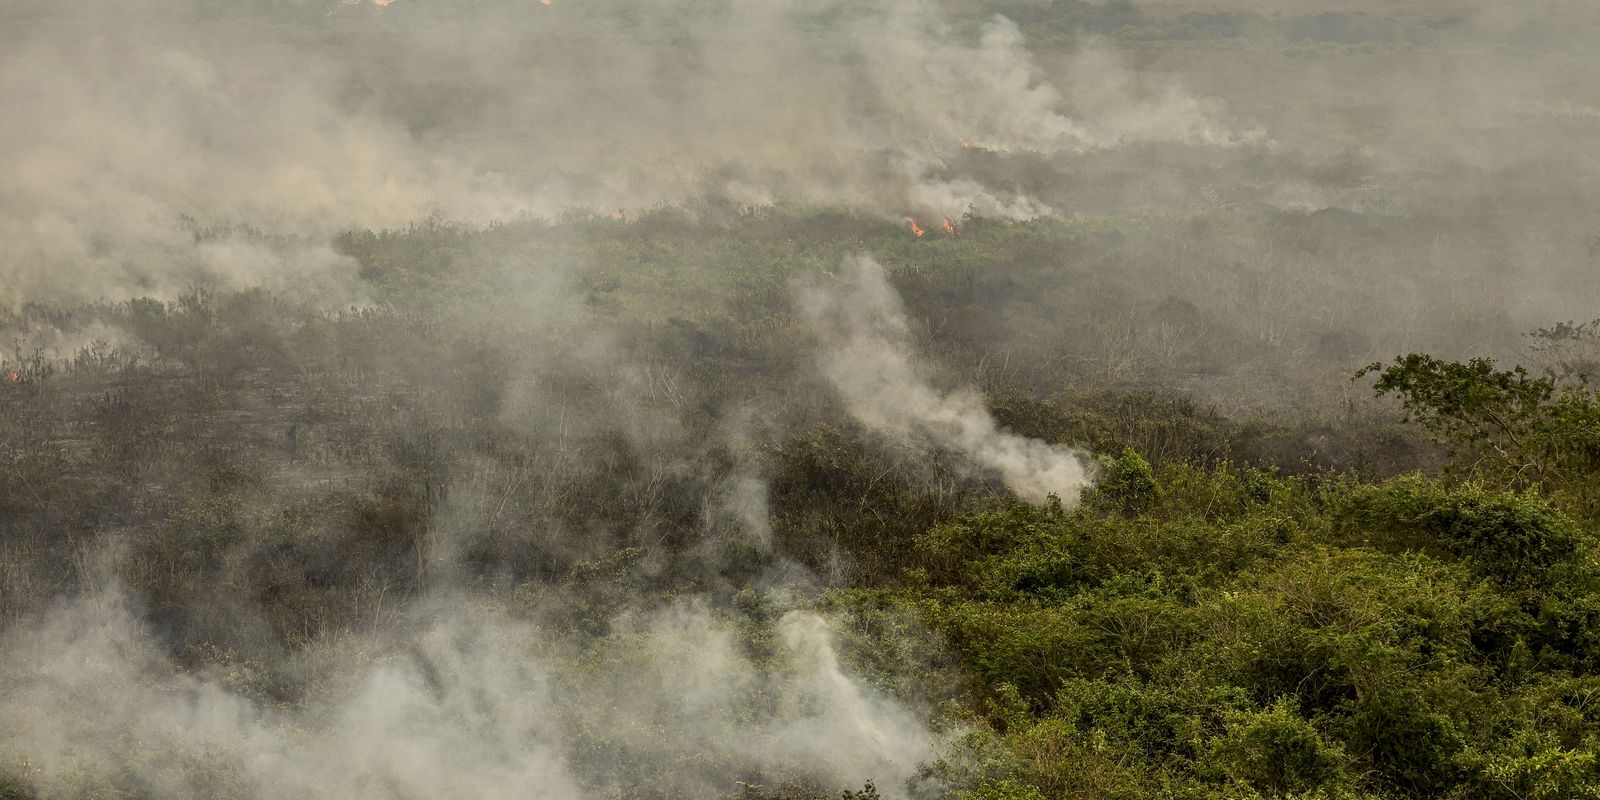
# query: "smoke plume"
{"type": "Point", "coordinates": [867, 355]}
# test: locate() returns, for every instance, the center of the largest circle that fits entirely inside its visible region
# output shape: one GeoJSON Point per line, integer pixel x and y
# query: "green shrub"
{"type": "Point", "coordinates": [1504, 426]}
{"type": "Point", "coordinates": [1517, 539]}
{"type": "Point", "coordinates": [1274, 751]}
{"type": "Point", "coordinates": [1534, 765]}
{"type": "Point", "coordinates": [1125, 485]}
{"type": "Point", "coordinates": [1003, 790]}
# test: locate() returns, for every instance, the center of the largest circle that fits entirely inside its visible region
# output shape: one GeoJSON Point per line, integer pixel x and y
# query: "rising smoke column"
{"type": "Point", "coordinates": [867, 355]}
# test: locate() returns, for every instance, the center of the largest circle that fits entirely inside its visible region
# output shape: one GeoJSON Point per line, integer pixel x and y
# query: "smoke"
{"type": "Point", "coordinates": [867, 355]}
{"type": "Point", "coordinates": [129, 129]}
{"type": "Point", "coordinates": [472, 703]}
{"type": "Point", "coordinates": [152, 146]}
{"type": "Point", "coordinates": [463, 683]}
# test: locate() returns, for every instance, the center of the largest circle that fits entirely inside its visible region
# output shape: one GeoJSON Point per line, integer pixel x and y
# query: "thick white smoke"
{"type": "Point", "coordinates": [867, 354]}
{"type": "Point", "coordinates": [473, 704]}
{"type": "Point", "coordinates": [124, 121]}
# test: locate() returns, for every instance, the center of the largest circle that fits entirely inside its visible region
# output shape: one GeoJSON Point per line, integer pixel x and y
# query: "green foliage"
{"type": "Point", "coordinates": [1517, 539]}
{"type": "Point", "coordinates": [1003, 790]}
{"type": "Point", "coordinates": [1124, 484]}
{"type": "Point", "coordinates": [1535, 764]}
{"type": "Point", "coordinates": [1505, 427]}
{"type": "Point", "coordinates": [1242, 634]}
{"type": "Point", "coordinates": [1274, 751]}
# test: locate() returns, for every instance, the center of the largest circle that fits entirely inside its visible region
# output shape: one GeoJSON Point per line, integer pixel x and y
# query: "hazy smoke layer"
{"type": "Point", "coordinates": [132, 129]}
{"type": "Point", "coordinates": [474, 704]}
{"type": "Point", "coordinates": [868, 356]}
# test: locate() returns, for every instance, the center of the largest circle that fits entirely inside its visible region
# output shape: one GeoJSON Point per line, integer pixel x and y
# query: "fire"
{"type": "Point", "coordinates": [13, 375]}
{"type": "Point", "coordinates": [965, 144]}
{"type": "Point", "coordinates": [915, 228]}
{"type": "Point", "coordinates": [382, 2]}
{"type": "Point", "coordinates": [545, 2]}
{"type": "Point", "coordinates": [949, 227]}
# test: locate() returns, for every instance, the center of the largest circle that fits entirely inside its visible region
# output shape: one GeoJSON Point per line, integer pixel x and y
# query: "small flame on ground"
{"type": "Point", "coordinates": [965, 143]}
{"type": "Point", "coordinates": [545, 2]}
{"type": "Point", "coordinates": [13, 375]}
{"type": "Point", "coordinates": [949, 227]}
{"type": "Point", "coordinates": [915, 228]}
{"type": "Point", "coordinates": [616, 215]}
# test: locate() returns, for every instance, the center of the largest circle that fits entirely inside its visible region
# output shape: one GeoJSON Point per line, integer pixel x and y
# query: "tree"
{"type": "Point", "coordinates": [1504, 427]}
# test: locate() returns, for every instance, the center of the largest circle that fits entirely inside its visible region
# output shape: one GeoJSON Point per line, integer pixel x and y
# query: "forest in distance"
{"type": "Point", "coordinates": [780, 400]}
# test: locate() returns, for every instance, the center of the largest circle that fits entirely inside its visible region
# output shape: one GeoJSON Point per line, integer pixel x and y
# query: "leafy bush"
{"type": "Point", "coordinates": [1274, 751]}
{"type": "Point", "coordinates": [1125, 484]}
{"type": "Point", "coordinates": [1517, 539]}
{"type": "Point", "coordinates": [1003, 790]}
{"type": "Point", "coordinates": [1506, 427]}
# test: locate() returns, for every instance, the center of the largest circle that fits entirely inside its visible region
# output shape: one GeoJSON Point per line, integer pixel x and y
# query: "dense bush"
{"type": "Point", "coordinates": [1238, 634]}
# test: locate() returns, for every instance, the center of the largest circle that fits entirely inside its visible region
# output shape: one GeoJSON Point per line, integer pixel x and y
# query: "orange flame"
{"type": "Point", "coordinates": [545, 2]}
{"type": "Point", "coordinates": [949, 227]}
{"type": "Point", "coordinates": [915, 228]}
{"type": "Point", "coordinates": [13, 375]}
{"type": "Point", "coordinates": [965, 143]}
